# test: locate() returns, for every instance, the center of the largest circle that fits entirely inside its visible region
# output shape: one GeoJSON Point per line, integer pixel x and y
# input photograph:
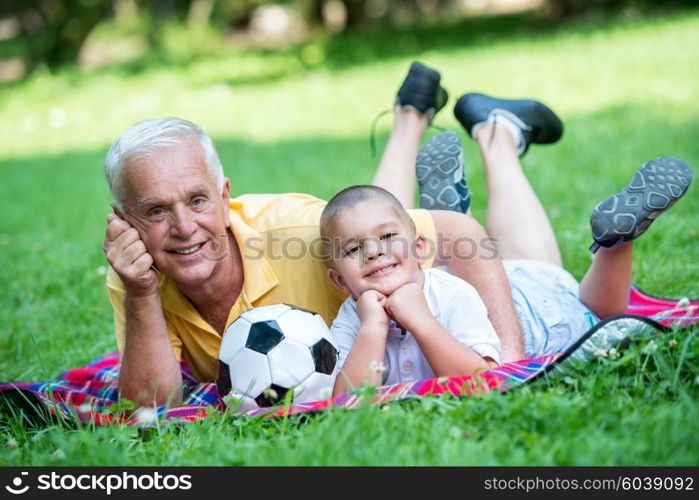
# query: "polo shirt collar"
{"type": "Point", "coordinates": [259, 278]}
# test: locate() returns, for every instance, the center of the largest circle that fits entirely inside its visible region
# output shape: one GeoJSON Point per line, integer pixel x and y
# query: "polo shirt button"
{"type": "Point", "coordinates": [407, 366]}
{"type": "Point", "coordinates": [404, 345]}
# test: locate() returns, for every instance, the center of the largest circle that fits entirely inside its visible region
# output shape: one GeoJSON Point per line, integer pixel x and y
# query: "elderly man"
{"type": "Point", "coordinates": [186, 260]}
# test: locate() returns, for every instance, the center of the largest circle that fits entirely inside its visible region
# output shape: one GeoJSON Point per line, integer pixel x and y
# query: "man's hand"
{"type": "Point", "coordinates": [127, 255]}
{"type": "Point", "coordinates": [370, 308]}
{"type": "Point", "coordinates": [408, 306]}
{"type": "Point", "coordinates": [150, 373]}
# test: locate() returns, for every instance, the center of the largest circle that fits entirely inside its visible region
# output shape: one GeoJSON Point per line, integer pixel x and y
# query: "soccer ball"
{"type": "Point", "coordinates": [271, 350]}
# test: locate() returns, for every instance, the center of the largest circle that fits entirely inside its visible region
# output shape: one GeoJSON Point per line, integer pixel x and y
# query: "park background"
{"type": "Point", "coordinates": [288, 91]}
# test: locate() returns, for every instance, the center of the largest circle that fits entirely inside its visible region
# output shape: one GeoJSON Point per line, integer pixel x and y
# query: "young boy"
{"type": "Point", "coordinates": [426, 334]}
{"type": "Point", "coordinates": [400, 321]}
{"type": "Point", "coordinates": [410, 324]}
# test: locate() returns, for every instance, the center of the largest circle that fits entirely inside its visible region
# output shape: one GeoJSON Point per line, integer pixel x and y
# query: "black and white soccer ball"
{"type": "Point", "coordinates": [272, 350]}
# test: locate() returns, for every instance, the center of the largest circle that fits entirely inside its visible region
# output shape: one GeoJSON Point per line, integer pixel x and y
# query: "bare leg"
{"type": "Point", "coordinates": [516, 218]}
{"type": "Point", "coordinates": [396, 171]}
{"type": "Point", "coordinates": [605, 287]}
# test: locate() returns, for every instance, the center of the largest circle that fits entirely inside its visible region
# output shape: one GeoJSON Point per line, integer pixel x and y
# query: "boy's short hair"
{"type": "Point", "coordinates": [349, 198]}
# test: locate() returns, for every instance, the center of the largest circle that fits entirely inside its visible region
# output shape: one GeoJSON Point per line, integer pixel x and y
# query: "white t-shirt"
{"type": "Point", "coordinates": [454, 303]}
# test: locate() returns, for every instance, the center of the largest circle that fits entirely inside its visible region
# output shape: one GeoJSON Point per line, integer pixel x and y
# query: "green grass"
{"type": "Point", "coordinates": [298, 120]}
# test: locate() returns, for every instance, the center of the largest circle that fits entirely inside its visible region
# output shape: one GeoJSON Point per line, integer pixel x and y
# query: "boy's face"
{"type": "Point", "coordinates": [374, 249]}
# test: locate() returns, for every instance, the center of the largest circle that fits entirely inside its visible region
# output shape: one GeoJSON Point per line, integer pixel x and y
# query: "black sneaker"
{"type": "Point", "coordinates": [539, 124]}
{"type": "Point", "coordinates": [421, 90]}
{"type": "Point", "coordinates": [626, 215]}
{"type": "Point", "coordinates": [440, 174]}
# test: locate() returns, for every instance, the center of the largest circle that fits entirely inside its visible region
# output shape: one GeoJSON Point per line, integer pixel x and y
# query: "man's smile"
{"type": "Point", "coordinates": [187, 250]}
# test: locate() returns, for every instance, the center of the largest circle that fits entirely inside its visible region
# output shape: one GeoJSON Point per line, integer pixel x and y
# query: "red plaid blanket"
{"type": "Point", "coordinates": [89, 393]}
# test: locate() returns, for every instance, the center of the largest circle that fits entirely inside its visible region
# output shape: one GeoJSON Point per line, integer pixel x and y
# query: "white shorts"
{"type": "Point", "coordinates": [551, 276]}
{"type": "Point", "coordinates": [548, 307]}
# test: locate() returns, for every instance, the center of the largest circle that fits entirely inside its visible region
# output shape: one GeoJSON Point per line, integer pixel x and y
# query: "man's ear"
{"type": "Point", "coordinates": [225, 196]}
{"type": "Point", "coordinates": [337, 280]}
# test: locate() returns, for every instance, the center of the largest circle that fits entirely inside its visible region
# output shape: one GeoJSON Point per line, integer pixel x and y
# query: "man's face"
{"type": "Point", "coordinates": [374, 249]}
{"type": "Point", "coordinates": [182, 218]}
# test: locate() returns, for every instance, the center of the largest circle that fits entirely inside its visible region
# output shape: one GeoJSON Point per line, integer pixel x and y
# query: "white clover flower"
{"type": "Point", "coordinates": [672, 342]}
{"type": "Point", "coordinates": [101, 270]}
{"type": "Point", "coordinates": [146, 417]}
{"type": "Point", "coordinates": [613, 353]}
{"type": "Point", "coordinates": [683, 302]}
{"type": "Point", "coordinates": [651, 347]}
{"type": "Point", "coordinates": [12, 444]}
{"type": "Point", "coordinates": [377, 367]}
{"type": "Point", "coordinates": [270, 393]}
{"type": "Point", "coordinates": [442, 380]}
{"type": "Point", "coordinates": [59, 454]}
{"type": "Point", "coordinates": [601, 353]}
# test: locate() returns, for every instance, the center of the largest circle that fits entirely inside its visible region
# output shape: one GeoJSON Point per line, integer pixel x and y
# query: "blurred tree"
{"type": "Point", "coordinates": [157, 14]}
{"type": "Point", "coordinates": [200, 12]}
{"type": "Point", "coordinates": [53, 31]}
{"type": "Point", "coordinates": [356, 12]}
{"type": "Point", "coordinates": [312, 12]}
{"type": "Point", "coordinates": [568, 8]}
{"type": "Point", "coordinates": [236, 12]}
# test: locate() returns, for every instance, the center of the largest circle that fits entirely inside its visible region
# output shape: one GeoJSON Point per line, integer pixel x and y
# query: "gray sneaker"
{"type": "Point", "coordinates": [440, 174]}
{"type": "Point", "coordinates": [626, 215]}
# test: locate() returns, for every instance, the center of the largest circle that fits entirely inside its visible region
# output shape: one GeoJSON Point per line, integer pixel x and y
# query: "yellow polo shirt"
{"type": "Point", "coordinates": [278, 237]}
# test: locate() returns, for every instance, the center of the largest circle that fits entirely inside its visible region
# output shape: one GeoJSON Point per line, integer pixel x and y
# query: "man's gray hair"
{"type": "Point", "coordinates": [150, 137]}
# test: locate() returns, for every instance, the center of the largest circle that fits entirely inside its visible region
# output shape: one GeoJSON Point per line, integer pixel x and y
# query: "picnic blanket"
{"type": "Point", "coordinates": [89, 393]}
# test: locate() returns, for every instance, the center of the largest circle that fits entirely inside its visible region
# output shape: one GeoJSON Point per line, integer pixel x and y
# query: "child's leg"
{"type": "Point", "coordinates": [515, 218]}
{"type": "Point", "coordinates": [605, 287]}
{"type": "Point", "coordinates": [621, 218]}
{"type": "Point", "coordinates": [396, 171]}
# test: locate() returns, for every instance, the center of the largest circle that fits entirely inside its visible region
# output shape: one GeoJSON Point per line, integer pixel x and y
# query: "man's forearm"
{"type": "Point", "coordinates": [489, 278]}
{"type": "Point", "coordinates": [150, 374]}
{"type": "Point", "coordinates": [461, 246]}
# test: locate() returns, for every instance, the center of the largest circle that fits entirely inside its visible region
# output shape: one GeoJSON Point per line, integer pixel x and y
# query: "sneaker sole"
{"type": "Point", "coordinates": [626, 215]}
{"type": "Point", "coordinates": [438, 166]}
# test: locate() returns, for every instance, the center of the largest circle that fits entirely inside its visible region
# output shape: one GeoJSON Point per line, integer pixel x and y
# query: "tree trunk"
{"type": "Point", "coordinates": [312, 12]}
{"type": "Point", "coordinates": [200, 12]}
{"type": "Point", "coordinates": [356, 12]}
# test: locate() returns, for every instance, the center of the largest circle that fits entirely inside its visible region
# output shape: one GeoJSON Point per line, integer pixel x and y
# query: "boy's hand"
{"type": "Point", "coordinates": [127, 255]}
{"type": "Point", "coordinates": [370, 308]}
{"type": "Point", "coordinates": [408, 307]}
